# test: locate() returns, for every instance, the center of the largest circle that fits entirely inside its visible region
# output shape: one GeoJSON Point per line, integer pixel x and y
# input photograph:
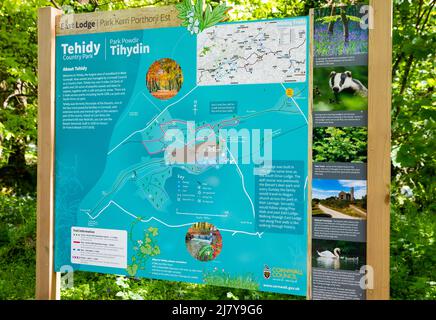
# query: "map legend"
{"type": "Point", "coordinates": [99, 247]}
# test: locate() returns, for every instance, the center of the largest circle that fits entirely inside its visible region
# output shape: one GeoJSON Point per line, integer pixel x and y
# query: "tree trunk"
{"type": "Point", "coordinates": [345, 22]}
{"type": "Point", "coordinates": [332, 23]}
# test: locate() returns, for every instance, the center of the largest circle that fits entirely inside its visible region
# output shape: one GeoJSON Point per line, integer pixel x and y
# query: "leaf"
{"type": "Point", "coordinates": [184, 8]}
{"type": "Point", "coordinates": [354, 18]}
{"type": "Point", "coordinates": [154, 231]}
{"type": "Point", "coordinates": [156, 250]}
{"type": "Point", "coordinates": [199, 8]}
{"type": "Point", "coordinates": [206, 16]}
{"type": "Point", "coordinates": [329, 19]}
{"type": "Point", "coordinates": [146, 249]}
{"type": "Point", "coordinates": [215, 16]}
{"type": "Point", "coordinates": [132, 269]}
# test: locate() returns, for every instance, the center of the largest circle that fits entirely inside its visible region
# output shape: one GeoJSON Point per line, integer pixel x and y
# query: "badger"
{"type": "Point", "coordinates": [344, 82]}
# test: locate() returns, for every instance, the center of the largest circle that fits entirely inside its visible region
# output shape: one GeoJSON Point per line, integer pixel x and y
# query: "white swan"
{"type": "Point", "coordinates": [329, 255]}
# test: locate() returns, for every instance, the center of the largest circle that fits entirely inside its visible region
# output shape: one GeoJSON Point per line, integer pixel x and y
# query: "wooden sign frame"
{"type": "Point", "coordinates": [379, 133]}
{"type": "Point", "coordinates": [379, 147]}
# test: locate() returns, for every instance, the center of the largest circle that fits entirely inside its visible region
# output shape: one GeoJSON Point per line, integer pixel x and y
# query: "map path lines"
{"type": "Point", "coordinates": [253, 52]}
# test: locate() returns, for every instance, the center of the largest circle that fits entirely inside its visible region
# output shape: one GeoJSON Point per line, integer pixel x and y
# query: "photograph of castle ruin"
{"type": "Point", "coordinates": [340, 199]}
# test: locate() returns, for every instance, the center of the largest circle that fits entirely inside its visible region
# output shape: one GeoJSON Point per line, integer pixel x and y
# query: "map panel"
{"type": "Point", "coordinates": [161, 176]}
{"type": "Point", "coordinates": [254, 52]}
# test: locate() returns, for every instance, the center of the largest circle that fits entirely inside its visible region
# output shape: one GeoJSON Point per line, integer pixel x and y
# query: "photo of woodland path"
{"type": "Point", "coordinates": [338, 32]}
{"type": "Point", "coordinates": [164, 79]}
{"type": "Point", "coordinates": [339, 199]}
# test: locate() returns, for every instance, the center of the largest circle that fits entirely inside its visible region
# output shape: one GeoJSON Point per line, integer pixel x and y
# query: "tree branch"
{"type": "Point", "coordinates": [428, 16]}
{"type": "Point", "coordinates": [405, 77]}
{"type": "Point", "coordinates": [55, 4]}
{"type": "Point", "coordinates": [14, 95]}
{"type": "Point", "coordinates": [398, 60]}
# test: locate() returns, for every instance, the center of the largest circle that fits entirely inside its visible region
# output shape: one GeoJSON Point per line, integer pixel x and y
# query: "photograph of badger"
{"type": "Point", "coordinates": [340, 88]}
{"type": "Point", "coordinates": [344, 82]}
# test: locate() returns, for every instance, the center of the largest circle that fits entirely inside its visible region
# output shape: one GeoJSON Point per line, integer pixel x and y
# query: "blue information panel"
{"type": "Point", "coordinates": [184, 156]}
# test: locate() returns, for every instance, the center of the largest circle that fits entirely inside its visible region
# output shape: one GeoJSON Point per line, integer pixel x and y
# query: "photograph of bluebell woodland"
{"type": "Point", "coordinates": [338, 32]}
{"type": "Point", "coordinates": [340, 199]}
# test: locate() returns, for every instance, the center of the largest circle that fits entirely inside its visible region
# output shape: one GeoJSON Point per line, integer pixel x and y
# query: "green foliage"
{"type": "Point", "coordinates": [340, 144]}
{"type": "Point", "coordinates": [413, 155]}
{"type": "Point", "coordinates": [414, 106]}
{"type": "Point", "coordinates": [413, 216]}
{"type": "Point", "coordinates": [197, 18]}
{"type": "Point", "coordinates": [221, 278]}
{"type": "Point", "coordinates": [144, 249]}
{"type": "Point", "coordinates": [17, 246]}
{"type": "Point", "coordinates": [18, 89]}
{"type": "Point", "coordinates": [93, 286]}
{"type": "Point", "coordinates": [413, 254]}
{"type": "Point", "coordinates": [334, 18]}
{"type": "Point", "coordinates": [205, 253]}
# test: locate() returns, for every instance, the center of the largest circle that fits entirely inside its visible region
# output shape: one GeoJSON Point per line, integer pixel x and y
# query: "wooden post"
{"type": "Point", "coordinates": [379, 147]}
{"type": "Point", "coordinates": [310, 157]}
{"type": "Point", "coordinates": [47, 281]}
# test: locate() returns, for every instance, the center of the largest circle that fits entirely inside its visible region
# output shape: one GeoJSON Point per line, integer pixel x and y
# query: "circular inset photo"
{"type": "Point", "coordinates": [204, 241]}
{"type": "Point", "coordinates": [164, 78]}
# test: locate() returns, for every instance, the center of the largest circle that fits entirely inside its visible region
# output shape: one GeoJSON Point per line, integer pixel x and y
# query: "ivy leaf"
{"type": "Point", "coordinates": [132, 269]}
{"type": "Point", "coordinates": [156, 250]}
{"type": "Point", "coordinates": [146, 249]}
{"type": "Point", "coordinates": [154, 231]}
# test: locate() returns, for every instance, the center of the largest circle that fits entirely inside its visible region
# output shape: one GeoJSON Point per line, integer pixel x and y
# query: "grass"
{"type": "Point", "coordinates": [223, 279]}
{"type": "Point", "coordinates": [347, 210]}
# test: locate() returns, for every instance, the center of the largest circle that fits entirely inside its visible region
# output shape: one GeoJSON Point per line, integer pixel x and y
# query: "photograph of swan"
{"type": "Point", "coordinates": [338, 255]}
{"type": "Point", "coordinates": [329, 254]}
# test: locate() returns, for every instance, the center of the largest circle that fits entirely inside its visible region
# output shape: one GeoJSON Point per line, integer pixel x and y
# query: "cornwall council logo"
{"type": "Point", "coordinates": [266, 272]}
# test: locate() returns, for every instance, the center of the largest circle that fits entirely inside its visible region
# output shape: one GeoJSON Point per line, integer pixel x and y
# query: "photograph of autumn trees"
{"type": "Point", "coordinates": [164, 79]}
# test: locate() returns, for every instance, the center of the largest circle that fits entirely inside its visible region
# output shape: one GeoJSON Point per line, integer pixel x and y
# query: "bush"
{"type": "Point", "coordinates": [413, 254]}
{"type": "Point", "coordinates": [17, 246]}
